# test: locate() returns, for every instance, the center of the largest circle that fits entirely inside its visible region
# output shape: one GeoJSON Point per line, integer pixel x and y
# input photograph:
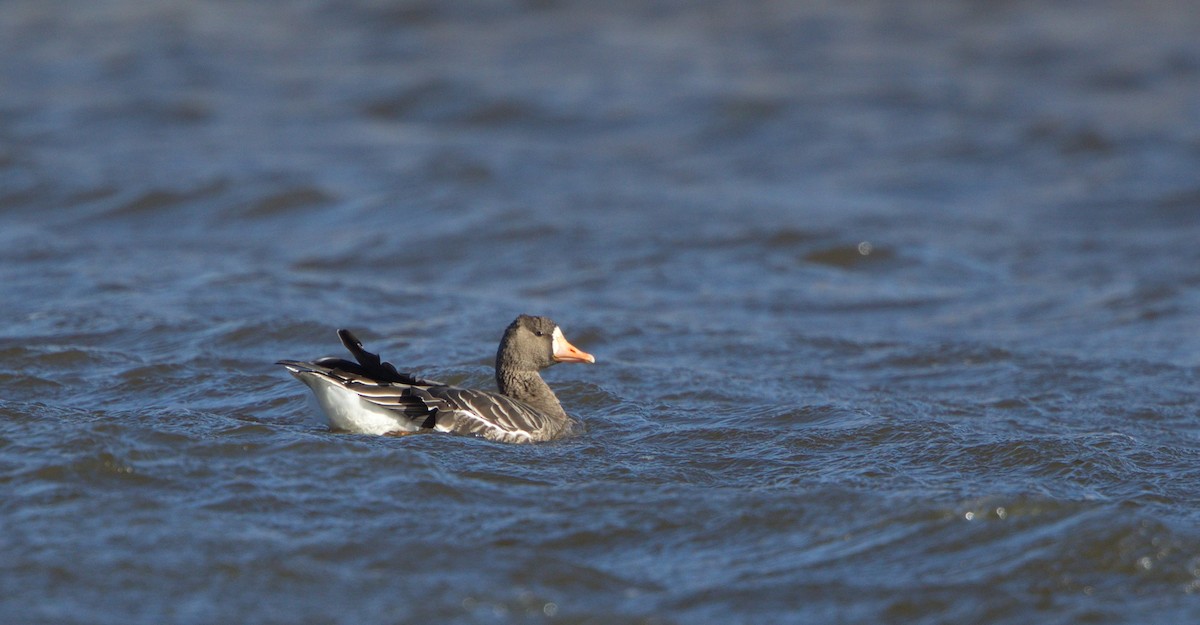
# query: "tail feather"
{"type": "Point", "coordinates": [295, 365]}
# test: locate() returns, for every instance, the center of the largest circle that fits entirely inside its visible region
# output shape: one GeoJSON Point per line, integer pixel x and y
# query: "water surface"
{"type": "Point", "coordinates": [895, 307]}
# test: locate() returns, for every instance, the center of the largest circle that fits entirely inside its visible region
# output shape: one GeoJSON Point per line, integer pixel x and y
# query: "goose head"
{"type": "Point", "coordinates": [534, 343]}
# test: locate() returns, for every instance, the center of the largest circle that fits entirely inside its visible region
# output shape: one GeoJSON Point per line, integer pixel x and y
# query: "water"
{"type": "Point", "coordinates": [895, 307]}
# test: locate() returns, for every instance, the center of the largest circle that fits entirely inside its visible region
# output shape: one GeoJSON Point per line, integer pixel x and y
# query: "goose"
{"type": "Point", "coordinates": [372, 397]}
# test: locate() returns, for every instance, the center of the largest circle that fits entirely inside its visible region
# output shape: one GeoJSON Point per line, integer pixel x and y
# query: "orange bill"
{"type": "Point", "coordinates": [564, 351]}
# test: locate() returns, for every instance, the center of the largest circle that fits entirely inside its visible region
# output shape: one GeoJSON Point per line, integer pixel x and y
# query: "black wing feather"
{"type": "Point", "coordinates": [370, 365]}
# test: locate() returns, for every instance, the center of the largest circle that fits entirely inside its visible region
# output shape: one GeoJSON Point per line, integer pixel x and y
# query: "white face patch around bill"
{"type": "Point", "coordinates": [558, 340]}
{"type": "Point", "coordinates": [564, 351]}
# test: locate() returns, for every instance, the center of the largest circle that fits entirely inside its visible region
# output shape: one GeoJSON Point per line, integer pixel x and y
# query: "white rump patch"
{"type": "Point", "coordinates": [347, 411]}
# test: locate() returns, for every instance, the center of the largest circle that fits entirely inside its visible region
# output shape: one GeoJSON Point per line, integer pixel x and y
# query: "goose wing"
{"type": "Point", "coordinates": [462, 410]}
{"type": "Point", "coordinates": [491, 415]}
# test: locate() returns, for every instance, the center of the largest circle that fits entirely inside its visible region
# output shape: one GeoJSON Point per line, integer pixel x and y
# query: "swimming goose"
{"type": "Point", "coordinates": [372, 397]}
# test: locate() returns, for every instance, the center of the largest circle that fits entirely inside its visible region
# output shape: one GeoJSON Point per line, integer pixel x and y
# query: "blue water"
{"type": "Point", "coordinates": [896, 310]}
